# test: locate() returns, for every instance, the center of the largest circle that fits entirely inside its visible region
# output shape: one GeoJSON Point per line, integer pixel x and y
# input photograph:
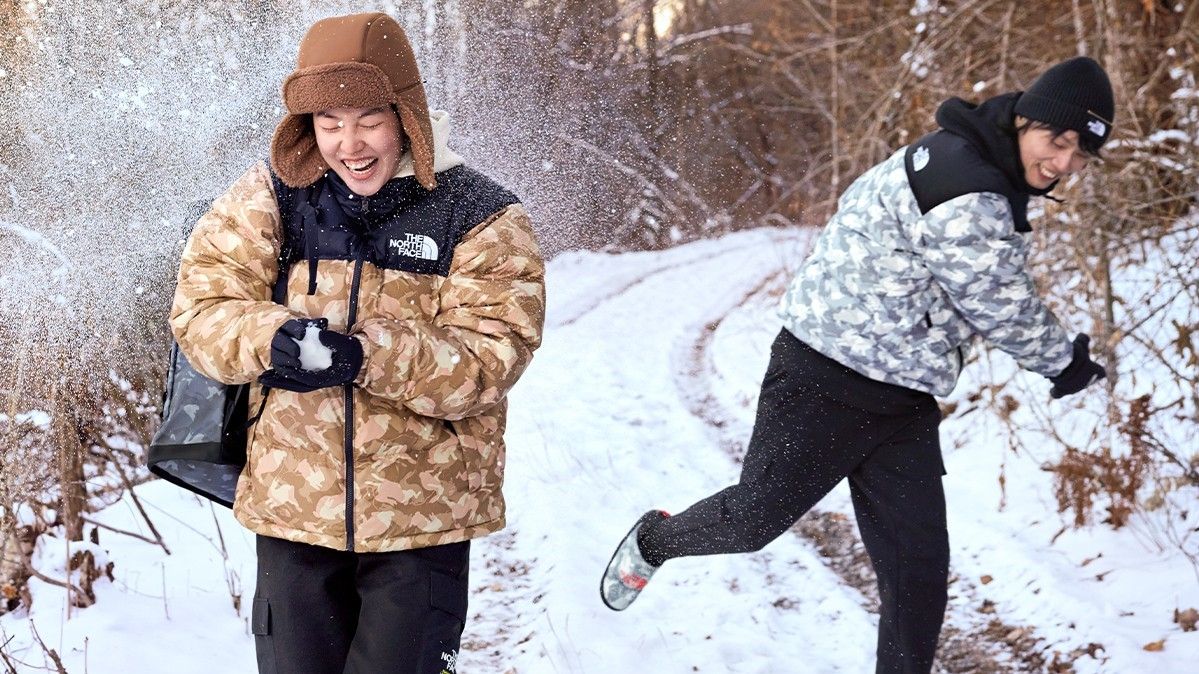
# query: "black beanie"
{"type": "Point", "coordinates": [1074, 94]}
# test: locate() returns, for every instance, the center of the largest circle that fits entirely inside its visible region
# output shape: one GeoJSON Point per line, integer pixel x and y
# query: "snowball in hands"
{"type": "Point", "coordinates": [314, 356]}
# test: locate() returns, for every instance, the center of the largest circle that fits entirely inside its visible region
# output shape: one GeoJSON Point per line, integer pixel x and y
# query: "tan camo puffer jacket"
{"type": "Point", "coordinates": [426, 452]}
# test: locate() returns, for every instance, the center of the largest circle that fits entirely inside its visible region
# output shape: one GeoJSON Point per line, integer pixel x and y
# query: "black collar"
{"type": "Point", "coordinates": [395, 193]}
{"type": "Point", "coordinates": [990, 127]}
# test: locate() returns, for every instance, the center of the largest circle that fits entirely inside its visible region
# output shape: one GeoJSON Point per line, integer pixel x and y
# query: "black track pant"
{"type": "Point", "coordinates": [324, 611]}
{"type": "Point", "coordinates": [802, 445]}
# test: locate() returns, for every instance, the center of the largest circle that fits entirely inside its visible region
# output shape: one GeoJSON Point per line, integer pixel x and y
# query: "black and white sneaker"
{"type": "Point", "coordinates": [628, 572]}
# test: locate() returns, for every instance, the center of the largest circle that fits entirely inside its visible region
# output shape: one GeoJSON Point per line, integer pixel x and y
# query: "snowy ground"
{"type": "Point", "coordinates": [640, 398]}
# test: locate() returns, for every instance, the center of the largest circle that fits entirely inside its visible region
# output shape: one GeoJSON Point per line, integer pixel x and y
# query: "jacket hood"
{"type": "Point", "coordinates": [444, 158]}
{"type": "Point", "coordinates": [990, 127]}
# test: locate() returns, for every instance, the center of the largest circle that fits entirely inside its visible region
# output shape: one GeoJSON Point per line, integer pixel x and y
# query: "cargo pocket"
{"type": "Point", "coordinates": [444, 624]}
{"type": "Point", "coordinates": [260, 627]}
{"type": "Point", "coordinates": [448, 595]}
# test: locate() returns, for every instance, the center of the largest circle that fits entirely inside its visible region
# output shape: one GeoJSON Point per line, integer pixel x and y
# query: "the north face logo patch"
{"type": "Point", "coordinates": [1097, 127]}
{"type": "Point", "coordinates": [920, 158]}
{"type": "Point", "coordinates": [414, 245]}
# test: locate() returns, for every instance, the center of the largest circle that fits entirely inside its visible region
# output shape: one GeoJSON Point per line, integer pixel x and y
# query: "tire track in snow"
{"type": "Point", "coordinates": [647, 276]}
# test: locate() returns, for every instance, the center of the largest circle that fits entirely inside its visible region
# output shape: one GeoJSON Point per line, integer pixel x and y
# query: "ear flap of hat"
{"type": "Point", "coordinates": [294, 154]}
{"type": "Point", "coordinates": [414, 118]}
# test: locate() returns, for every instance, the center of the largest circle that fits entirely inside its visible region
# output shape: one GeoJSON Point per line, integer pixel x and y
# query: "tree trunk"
{"type": "Point", "coordinates": [652, 73]}
{"type": "Point", "coordinates": [835, 84]}
{"type": "Point", "coordinates": [73, 435]}
{"type": "Point", "coordinates": [74, 497]}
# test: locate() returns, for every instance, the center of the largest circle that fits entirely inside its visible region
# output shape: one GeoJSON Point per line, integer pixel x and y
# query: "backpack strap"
{"type": "Point", "coordinates": [287, 248]}
{"type": "Point", "coordinates": [291, 204]}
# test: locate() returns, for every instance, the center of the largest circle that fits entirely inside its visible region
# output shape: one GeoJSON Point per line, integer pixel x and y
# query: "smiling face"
{"type": "Point", "coordinates": [1048, 156]}
{"type": "Point", "coordinates": [362, 145]}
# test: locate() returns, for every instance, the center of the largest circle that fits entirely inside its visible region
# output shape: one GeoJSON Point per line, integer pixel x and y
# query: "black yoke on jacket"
{"type": "Point", "coordinates": [403, 227]}
{"type": "Point", "coordinates": [952, 167]}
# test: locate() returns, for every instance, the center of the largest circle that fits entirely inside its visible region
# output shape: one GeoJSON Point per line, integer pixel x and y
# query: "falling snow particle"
{"type": "Point", "coordinates": [921, 7]}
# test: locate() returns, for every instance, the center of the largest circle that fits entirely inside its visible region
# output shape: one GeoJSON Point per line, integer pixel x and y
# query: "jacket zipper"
{"type": "Point", "coordinates": [349, 400]}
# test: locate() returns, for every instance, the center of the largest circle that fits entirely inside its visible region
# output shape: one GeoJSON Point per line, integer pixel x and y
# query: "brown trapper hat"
{"type": "Point", "coordinates": [356, 61]}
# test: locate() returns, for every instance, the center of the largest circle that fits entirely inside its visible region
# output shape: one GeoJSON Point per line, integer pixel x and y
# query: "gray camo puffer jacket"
{"type": "Point", "coordinates": [898, 296]}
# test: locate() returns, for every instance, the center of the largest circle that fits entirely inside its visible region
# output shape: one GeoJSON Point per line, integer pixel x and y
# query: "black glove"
{"type": "Point", "coordinates": [284, 350]}
{"type": "Point", "coordinates": [1080, 373]}
{"type": "Point", "coordinates": [287, 373]}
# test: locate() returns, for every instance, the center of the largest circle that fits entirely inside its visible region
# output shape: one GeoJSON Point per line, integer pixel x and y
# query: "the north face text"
{"type": "Point", "coordinates": [414, 245]}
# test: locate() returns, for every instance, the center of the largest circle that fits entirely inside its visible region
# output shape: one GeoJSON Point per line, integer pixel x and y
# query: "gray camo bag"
{"type": "Point", "coordinates": [201, 443]}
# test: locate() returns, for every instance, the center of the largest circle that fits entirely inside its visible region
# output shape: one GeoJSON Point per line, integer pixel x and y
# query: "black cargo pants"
{"type": "Point", "coordinates": [803, 444]}
{"type": "Point", "coordinates": [324, 611]}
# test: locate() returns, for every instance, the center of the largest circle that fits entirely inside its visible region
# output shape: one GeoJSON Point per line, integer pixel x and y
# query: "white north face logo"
{"type": "Point", "coordinates": [920, 158]}
{"type": "Point", "coordinates": [414, 245]}
{"type": "Point", "coordinates": [1097, 127]}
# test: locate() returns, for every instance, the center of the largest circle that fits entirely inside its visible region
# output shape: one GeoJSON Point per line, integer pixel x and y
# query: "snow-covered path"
{"type": "Point", "coordinates": [605, 421]}
{"type": "Point", "coordinates": [641, 397]}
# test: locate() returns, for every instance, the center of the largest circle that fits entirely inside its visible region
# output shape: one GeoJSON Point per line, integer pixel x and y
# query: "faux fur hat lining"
{"type": "Point", "coordinates": [337, 85]}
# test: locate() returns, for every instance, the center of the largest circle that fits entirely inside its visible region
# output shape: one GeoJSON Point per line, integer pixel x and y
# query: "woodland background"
{"type": "Point", "coordinates": [634, 124]}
